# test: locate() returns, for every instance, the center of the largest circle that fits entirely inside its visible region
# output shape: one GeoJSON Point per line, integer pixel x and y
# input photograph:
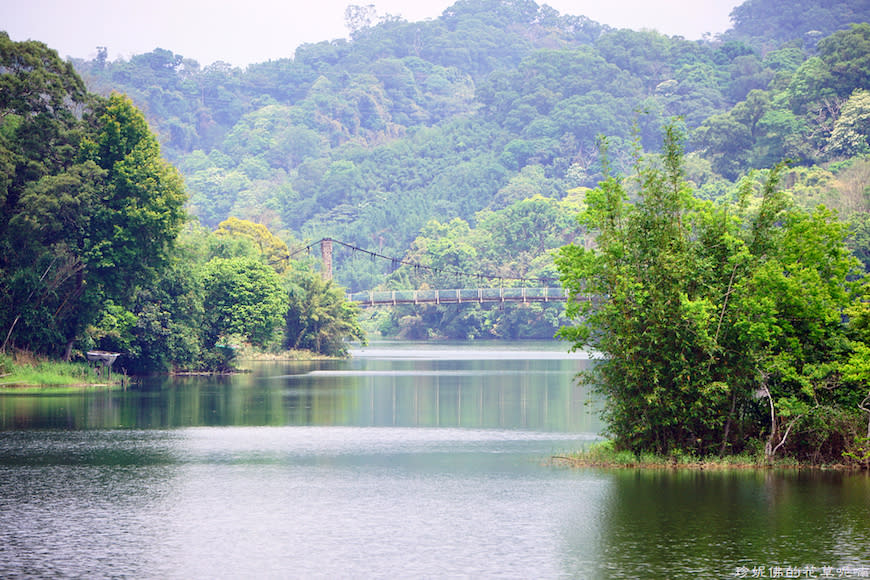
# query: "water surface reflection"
{"type": "Point", "coordinates": [402, 462]}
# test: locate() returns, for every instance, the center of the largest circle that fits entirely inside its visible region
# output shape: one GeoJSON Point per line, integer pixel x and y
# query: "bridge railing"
{"type": "Point", "coordinates": [458, 296]}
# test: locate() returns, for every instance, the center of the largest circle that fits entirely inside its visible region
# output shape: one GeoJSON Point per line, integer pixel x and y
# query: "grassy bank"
{"type": "Point", "coordinates": [23, 371]}
{"type": "Point", "coordinates": [248, 354]}
{"type": "Point", "coordinates": [603, 454]}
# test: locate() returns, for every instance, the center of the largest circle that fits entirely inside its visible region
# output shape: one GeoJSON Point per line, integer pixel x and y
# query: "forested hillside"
{"type": "Point", "coordinates": [464, 144]}
{"type": "Point", "coordinates": [98, 252]}
{"type": "Point", "coordinates": [368, 139]}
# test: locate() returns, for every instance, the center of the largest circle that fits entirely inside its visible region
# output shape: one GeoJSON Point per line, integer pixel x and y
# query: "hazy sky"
{"type": "Point", "coordinates": [244, 31]}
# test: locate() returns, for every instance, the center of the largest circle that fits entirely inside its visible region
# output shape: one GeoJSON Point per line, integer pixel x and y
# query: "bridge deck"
{"type": "Point", "coordinates": [458, 296]}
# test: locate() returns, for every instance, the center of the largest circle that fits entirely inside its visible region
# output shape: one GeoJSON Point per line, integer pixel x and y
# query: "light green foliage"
{"type": "Point", "coordinates": [242, 296]}
{"type": "Point", "coordinates": [858, 367]}
{"type": "Point", "coordinates": [717, 322]}
{"type": "Point", "coordinates": [843, 187]}
{"type": "Point", "coordinates": [272, 249]}
{"type": "Point", "coordinates": [851, 131]}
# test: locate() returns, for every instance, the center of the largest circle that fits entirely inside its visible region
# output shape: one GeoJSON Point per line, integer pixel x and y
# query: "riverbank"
{"type": "Point", "coordinates": [247, 354]}
{"type": "Point", "coordinates": [23, 371]}
{"type": "Point", "coordinates": [286, 355]}
{"type": "Point", "coordinates": [603, 455]}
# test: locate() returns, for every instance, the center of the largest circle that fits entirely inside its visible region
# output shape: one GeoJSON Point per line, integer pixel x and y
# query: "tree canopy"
{"type": "Point", "coordinates": [465, 139]}
{"type": "Point", "coordinates": [95, 250]}
{"type": "Point", "coordinates": [92, 209]}
{"type": "Point", "coordinates": [719, 323]}
{"type": "Point", "coordinates": [368, 139]}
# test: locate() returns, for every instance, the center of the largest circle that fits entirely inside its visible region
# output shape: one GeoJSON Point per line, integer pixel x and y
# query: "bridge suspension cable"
{"type": "Point", "coordinates": [417, 266]}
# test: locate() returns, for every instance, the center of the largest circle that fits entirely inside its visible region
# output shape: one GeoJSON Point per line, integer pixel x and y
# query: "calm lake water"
{"type": "Point", "coordinates": [407, 461]}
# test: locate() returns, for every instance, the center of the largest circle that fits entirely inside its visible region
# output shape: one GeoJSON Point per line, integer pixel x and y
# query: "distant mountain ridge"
{"type": "Point", "coordinates": [369, 139]}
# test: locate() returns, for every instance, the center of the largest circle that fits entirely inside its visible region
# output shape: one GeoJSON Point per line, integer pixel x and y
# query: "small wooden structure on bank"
{"type": "Point", "coordinates": [103, 358]}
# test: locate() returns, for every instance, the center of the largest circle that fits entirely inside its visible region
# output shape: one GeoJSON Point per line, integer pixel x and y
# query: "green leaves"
{"type": "Point", "coordinates": [244, 297]}
{"type": "Point", "coordinates": [91, 208]}
{"type": "Point", "coordinates": [319, 318]}
{"type": "Point", "coordinates": [703, 305]}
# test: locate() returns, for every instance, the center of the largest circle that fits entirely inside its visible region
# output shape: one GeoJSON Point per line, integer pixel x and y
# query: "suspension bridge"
{"type": "Point", "coordinates": [457, 296]}
{"type": "Point", "coordinates": [521, 289]}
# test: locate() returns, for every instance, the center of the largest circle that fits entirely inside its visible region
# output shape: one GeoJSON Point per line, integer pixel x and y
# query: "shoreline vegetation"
{"type": "Point", "coordinates": [22, 371]}
{"type": "Point", "coordinates": [604, 455]}
{"type": "Point", "coordinates": [286, 355]}
{"type": "Point", "coordinates": [740, 326]}
{"type": "Point", "coordinates": [25, 372]}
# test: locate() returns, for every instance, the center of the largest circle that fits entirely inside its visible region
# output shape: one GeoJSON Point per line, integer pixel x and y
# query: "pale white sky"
{"type": "Point", "coordinates": [244, 32]}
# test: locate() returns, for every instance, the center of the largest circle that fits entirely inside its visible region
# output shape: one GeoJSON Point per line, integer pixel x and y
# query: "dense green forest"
{"type": "Point", "coordinates": [368, 140]}
{"type": "Point", "coordinates": [97, 249]}
{"type": "Point", "coordinates": [465, 143]}
{"type": "Point", "coordinates": [731, 326]}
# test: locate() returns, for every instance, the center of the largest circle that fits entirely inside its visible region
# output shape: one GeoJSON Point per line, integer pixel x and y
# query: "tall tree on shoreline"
{"type": "Point", "coordinates": [92, 208]}
{"type": "Point", "coordinates": [718, 323]}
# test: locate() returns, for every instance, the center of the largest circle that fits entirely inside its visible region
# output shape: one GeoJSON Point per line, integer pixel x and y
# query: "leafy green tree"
{"type": "Point", "coordinates": [117, 213]}
{"type": "Point", "coordinates": [810, 84]}
{"type": "Point", "coordinates": [242, 296]}
{"type": "Point", "coordinates": [524, 232]}
{"type": "Point", "coordinates": [694, 93]}
{"type": "Point", "coordinates": [141, 211]}
{"type": "Point", "coordinates": [162, 330]}
{"type": "Point", "coordinates": [39, 133]}
{"type": "Point", "coordinates": [847, 54]}
{"type": "Point", "coordinates": [771, 23]}
{"type": "Point", "coordinates": [529, 182]}
{"type": "Point", "coordinates": [716, 322]}
{"type": "Point", "coordinates": [859, 238]}
{"type": "Point", "coordinates": [851, 131]}
{"type": "Point", "coordinates": [726, 142]}
{"type": "Point", "coordinates": [272, 249]}
{"type": "Point", "coordinates": [319, 318]}
{"type": "Point", "coordinates": [92, 208]}
{"type": "Point", "coordinates": [342, 182]}
{"type": "Point", "coordinates": [779, 136]}
{"type": "Point", "coordinates": [646, 54]}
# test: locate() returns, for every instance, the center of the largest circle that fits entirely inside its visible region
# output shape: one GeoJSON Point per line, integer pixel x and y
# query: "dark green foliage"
{"type": "Point", "coordinates": [319, 318]}
{"type": "Point", "coordinates": [91, 209]}
{"type": "Point", "coordinates": [772, 23]}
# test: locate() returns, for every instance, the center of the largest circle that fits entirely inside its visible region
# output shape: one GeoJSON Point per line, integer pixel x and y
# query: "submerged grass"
{"type": "Point", "coordinates": [604, 454]}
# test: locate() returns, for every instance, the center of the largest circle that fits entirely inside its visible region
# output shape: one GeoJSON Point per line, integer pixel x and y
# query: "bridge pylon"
{"type": "Point", "coordinates": [326, 254]}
